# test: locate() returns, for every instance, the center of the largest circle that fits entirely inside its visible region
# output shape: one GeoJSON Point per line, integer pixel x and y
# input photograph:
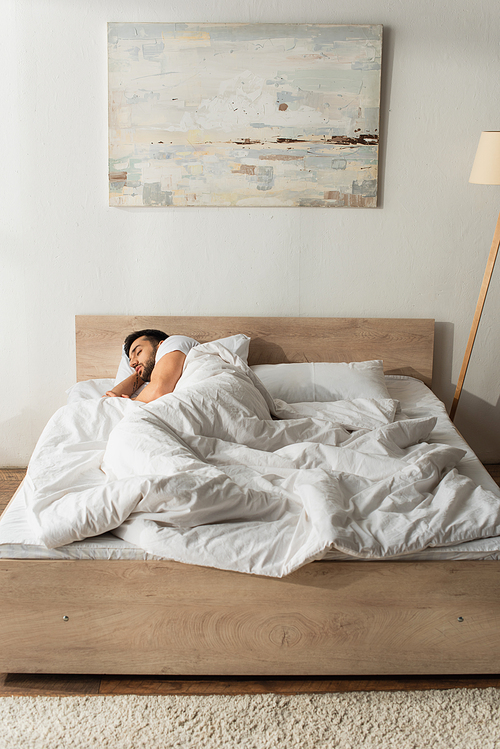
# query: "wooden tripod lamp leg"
{"type": "Point", "coordinates": [477, 316]}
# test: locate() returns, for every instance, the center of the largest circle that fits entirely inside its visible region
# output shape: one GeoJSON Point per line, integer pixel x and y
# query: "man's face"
{"type": "Point", "coordinates": [142, 357]}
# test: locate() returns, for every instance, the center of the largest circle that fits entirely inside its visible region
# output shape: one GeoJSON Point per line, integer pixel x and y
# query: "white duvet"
{"type": "Point", "coordinates": [218, 474]}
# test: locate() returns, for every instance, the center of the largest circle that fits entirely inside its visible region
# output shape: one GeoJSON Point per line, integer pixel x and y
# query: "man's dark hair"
{"type": "Point", "coordinates": [155, 336]}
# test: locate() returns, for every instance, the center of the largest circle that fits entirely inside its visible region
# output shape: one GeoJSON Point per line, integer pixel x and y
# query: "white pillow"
{"type": "Point", "coordinates": [89, 390]}
{"type": "Point", "coordinates": [124, 369]}
{"type": "Point", "coordinates": [238, 344]}
{"type": "Point", "coordinates": [323, 381]}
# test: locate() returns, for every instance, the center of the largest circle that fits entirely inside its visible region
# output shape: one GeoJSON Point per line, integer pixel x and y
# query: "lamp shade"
{"type": "Point", "coordinates": [486, 167]}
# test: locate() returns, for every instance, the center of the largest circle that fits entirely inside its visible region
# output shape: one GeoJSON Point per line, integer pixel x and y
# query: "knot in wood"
{"type": "Point", "coordinates": [285, 636]}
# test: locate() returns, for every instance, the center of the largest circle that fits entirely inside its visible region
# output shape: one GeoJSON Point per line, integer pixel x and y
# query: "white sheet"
{"type": "Point", "coordinates": [205, 476]}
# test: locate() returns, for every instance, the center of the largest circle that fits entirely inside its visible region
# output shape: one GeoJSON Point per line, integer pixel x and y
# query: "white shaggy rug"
{"type": "Point", "coordinates": [439, 719]}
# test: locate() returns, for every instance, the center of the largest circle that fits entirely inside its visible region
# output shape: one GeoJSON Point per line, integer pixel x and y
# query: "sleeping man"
{"type": "Point", "coordinates": [158, 360]}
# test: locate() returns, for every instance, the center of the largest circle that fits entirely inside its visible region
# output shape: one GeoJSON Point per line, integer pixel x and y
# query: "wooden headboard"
{"type": "Point", "coordinates": [405, 345]}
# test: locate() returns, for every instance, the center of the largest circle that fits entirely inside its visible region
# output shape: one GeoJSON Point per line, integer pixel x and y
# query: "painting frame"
{"type": "Point", "coordinates": [204, 114]}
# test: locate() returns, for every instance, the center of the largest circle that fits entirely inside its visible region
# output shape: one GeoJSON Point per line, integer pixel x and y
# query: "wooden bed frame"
{"type": "Point", "coordinates": [328, 618]}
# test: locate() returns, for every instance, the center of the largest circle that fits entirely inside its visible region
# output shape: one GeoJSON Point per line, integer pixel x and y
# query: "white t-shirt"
{"type": "Point", "coordinates": [172, 343]}
{"type": "Point", "coordinates": [175, 343]}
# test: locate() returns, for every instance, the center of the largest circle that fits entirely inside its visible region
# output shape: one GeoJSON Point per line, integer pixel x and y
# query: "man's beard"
{"type": "Point", "coordinates": [148, 368]}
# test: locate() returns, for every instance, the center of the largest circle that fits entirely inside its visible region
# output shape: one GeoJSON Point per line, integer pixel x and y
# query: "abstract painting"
{"type": "Point", "coordinates": [243, 114]}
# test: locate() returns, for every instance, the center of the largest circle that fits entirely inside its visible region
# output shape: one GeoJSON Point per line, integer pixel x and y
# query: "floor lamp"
{"type": "Point", "coordinates": [485, 171]}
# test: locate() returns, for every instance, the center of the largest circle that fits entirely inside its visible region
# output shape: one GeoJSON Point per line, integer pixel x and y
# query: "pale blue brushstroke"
{"type": "Point", "coordinates": [216, 168]}
{"type": "Point", "coordinates": [153, 195]}
{"type": "Point", "coordinates": [371, 116]}
{"type": "Point", "coordinates": [287, 97]}
{"type": "Point", "coordinates": [368, 188]}
{"type": "Point", "coordinates": [365, 65]}
{"type": "Point", "coordinates": [322, 35]}
{"type": "Point", "coordinates": [265, 177]}
{"type": "Point", "coordinates": [153, 51]}
{"type": "Point", "coordinates": [318, 162]}
{"type": "Point", "coordinates": [134, 53]}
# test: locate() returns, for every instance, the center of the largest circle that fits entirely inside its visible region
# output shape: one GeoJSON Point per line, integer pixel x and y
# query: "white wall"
{"type": "Point", "coordinates": [420, 254]}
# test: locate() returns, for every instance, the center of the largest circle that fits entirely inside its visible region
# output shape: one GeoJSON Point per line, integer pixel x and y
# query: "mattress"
{"type": "Point", "coordinates": [18, 540]}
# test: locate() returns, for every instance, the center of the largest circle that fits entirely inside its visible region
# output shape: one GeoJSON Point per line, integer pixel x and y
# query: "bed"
{"type": "Point", "coordinates": [337, 616]}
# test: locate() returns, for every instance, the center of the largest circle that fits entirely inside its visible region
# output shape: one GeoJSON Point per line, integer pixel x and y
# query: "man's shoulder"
{"type": "Point", "coordinates": [181, 343]}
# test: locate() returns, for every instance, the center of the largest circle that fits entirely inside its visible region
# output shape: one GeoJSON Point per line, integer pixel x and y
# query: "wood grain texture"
{"type": "Point", "coordinates": [494, 471]}
{"type": "Point", "coordinates": [48, 685]}
{"type": "Point", "coordinates": [65, 685]}
{"type": "Point", "coordinates": [490, 264]}
{"type": "Point", "coordinates": [342, 618]}
{"type": "Point", "coordinates": [288, 686]}
{"type": "Point", "coordinates": [406, 346]}
{"type": "Point", "coordinates": [10, 478]}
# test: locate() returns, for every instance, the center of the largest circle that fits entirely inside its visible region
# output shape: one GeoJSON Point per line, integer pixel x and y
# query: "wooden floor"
{"type": "Point", "coordinates": [10, 478]}
{"type": "Point", "coordinates": [60, 685]}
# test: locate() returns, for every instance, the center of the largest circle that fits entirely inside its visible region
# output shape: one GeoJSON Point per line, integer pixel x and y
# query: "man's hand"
{"type": "Point", "coordinates": [126, 388]}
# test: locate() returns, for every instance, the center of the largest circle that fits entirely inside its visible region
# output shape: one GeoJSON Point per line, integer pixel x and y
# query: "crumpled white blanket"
{"type": "Point", "coordinates": [218, 474]}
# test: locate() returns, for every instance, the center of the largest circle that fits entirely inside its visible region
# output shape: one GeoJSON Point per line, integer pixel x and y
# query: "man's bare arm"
{"type": "Point", "coordinates": [164, 377]}
{"type": "Point", "coordinates": [126, 388]}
